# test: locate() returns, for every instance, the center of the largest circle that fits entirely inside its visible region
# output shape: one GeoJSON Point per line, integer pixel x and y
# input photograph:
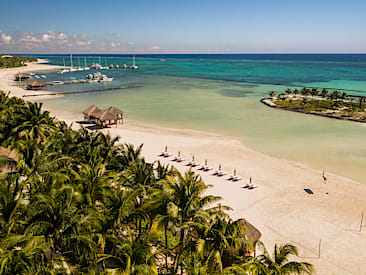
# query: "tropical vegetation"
{"type": "Point", "coordinates": [12, 61]}
{"type": "Point", "coordinates": [79, 202]}
{"type": "Point", "coordinates": [335, 103]}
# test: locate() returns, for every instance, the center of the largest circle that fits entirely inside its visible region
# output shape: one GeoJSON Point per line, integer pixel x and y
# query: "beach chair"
{"type": "Point", "coordinates": [250, 185]}
{"type": "Point", "coordinates": [193, 163]}
{"type": "Point", "coordinates": [235, 177]}
{"type": "Point", "coordinates": [219, 172]}
{"type": "Point", "coordinates": [178, 158]}
{"type": "Point", "coordinates": [205, 167]}
{"type": "Point", "coordinates": [166, 154]}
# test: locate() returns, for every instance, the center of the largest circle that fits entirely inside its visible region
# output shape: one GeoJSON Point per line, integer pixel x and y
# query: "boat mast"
{"type": "Point", "coordinates": [79, 60]}
{"type": "Point", "coordinates": [100, 62]}
{"type": "Point", "coordinates": [134, 61]}
{"type": "Point", "coordinates": [85, 61]}
{"type": "Point", "coordinates": [71, 60]}
{"type": "Point", "coordinates": [64, 62]}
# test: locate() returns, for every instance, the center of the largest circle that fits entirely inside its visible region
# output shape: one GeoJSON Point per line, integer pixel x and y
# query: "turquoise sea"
{"type": "Point", "coordinates": [221, 93]}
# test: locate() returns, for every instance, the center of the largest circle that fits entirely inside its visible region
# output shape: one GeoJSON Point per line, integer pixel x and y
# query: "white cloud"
{"type": "Point", "coordinates": [29, 38]}
{"type": "Point", "coordinates": [154, 48]}
{"type": "Point", "coordinates": [6, 39]}
{"type": "Point", "coordinates": [115, 44]}
{"type": "Point", "coordinates": [59, 42]}
{"type": "Point", "coordinates": [62, 36]}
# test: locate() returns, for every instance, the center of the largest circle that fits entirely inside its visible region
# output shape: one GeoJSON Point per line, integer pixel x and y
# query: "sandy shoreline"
{"type": "Point", "coordinates": [279, 208]}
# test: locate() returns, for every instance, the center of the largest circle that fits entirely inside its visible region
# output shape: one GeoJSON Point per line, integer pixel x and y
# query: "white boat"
{"type": "Point", "coordinates": [117, 66]}
{"type": "Point", "coordinates": [36, 76]}
{"type": "Point", "coordinates": [98, 77]}
{"type": "Point", "coordinates": [43, 76]}
{"type": "Point", "coordinates": [57, 82]}
{"type": "Point", "coordinates": [133, 66]}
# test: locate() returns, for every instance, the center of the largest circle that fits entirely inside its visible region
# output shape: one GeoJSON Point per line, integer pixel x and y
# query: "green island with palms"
{"type": "Point", "coordinates": [77, 202]}
{"type": "Point", "coordinates": [12, 61]}
{"type": "Point", "coordinates": [333, 104]}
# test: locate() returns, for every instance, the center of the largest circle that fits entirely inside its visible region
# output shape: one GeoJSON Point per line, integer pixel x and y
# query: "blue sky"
{"type": "Point", "coordinates": [172, 26]}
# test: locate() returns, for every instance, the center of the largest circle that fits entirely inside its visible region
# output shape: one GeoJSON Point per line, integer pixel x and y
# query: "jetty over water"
{"type": "Point", "coordinates": [85, 91]}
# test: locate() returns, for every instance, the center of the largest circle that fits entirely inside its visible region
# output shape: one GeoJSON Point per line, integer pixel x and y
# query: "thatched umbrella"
{"type": "Point", "coordinates": [8, 160]}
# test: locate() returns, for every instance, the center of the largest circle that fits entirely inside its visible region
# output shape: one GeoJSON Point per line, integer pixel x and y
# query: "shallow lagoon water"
{"type": "Point", "coordinates": [232, 108]}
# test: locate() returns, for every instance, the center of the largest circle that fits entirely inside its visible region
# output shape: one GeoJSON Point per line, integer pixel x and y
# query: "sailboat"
{"type": "Point", "coordinates": [72, 69]}
{"type": "Point", "coordinates": [133, 66]}
{"type": "Point", "coordinates": [79, 68]}
{"type": "Point", "coordinates": [85, 67]}
{"type": "Point", "coordinates": [64, 70]}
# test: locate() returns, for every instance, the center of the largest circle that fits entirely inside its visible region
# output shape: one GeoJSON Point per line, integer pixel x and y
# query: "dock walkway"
{"type": "Point", "coordinates": [86, 91]}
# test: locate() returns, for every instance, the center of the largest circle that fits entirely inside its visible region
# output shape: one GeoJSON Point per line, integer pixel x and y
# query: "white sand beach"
{"type": "Point", "coordinates": [280, 208]}
{"type": "Point", "coordinates": [7, 76]}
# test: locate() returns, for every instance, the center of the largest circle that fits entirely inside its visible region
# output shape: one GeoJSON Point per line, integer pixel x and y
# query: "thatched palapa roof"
{"type": "Point", "coordinates": [22, 76]}
{"type": "Point", "coordinates": [251, 232]}
{"type": "Point", "coordinates": [37, 83]}
{"type": "Point", "coordinates": [115, 110]}
{"type": "Point", "coordinates": [92, 110]}
{"type": "Point", "coordinates": [105, 115]}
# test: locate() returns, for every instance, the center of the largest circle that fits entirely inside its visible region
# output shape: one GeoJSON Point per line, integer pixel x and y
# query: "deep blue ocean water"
{"type": "Point", "coordinates": [275, 69]}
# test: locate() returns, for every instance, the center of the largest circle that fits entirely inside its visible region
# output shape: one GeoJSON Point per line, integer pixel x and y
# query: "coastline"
{"type": "Point", "coordinates": [279, 208]}
{"type": "Point", "coordinates": [268, 102]}
{"type": "Point", "coordinates": [8, 84]}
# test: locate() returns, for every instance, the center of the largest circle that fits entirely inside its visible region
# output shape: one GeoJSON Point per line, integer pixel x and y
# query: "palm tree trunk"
{"type": "Point", "coordinates": [181, 239]}
{"type": "Point", "coordinates": [166, 248]}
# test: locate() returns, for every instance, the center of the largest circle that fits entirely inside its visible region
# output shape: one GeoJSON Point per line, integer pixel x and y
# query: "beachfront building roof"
{"type": "Point", "coordinates": [109, 116]}
{"type": "Point", "coordinates": [103, 117]}
{"type": "Point", "coordinates": [90, 112]}
{"type": "Point", "coordinates": [116, 111]}
{"type": "Point", "coordinates": [22, 76]}
{"type": "Point", "coordinates": [8, 160]}
{"type": "Point", "coordinates": [252, 234]}
{"type": "Point", "coordinates": [36, 84]}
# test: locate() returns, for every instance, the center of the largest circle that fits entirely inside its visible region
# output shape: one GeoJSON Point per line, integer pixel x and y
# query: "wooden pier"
{"type": "Point", "coordinates": [85, 91]}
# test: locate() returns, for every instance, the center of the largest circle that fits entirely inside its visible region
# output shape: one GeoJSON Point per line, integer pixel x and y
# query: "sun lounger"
{"type": "Point", "coordinates": [250, 186]}
{"type": "Point", "coordinates": [193, 163]}
{"type": "Point", "coordinates": [206, 168]}
{"type": "Point", "coordinates": [235, 178]}
{"type": "Point", "coordinates": [166, 154]}
{"type": "Point", "coordinates": [221, 173]}
{"type": "Point", "coordinates": [178, 159]}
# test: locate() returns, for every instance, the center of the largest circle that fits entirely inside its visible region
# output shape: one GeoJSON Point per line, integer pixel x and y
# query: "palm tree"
{"type": "Point", "coordinates": [288, 91]}
{"type": "Point", "coordinates": [35, 123]}
{"type": "Point", "coordinates": [11, 207]}
{"type": "Point", "coordinates": [133, 256]}
{"type": "Point", "coordinates": [324, 93]}
{"type": "Point", "coordinates": [187, 195]}
{"type": "Point", "coordinates": [314, 92]}
{"type": "Point", "coordinates": [279, 263]}
{"type": "Point", "coordinates": [272, 94]}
